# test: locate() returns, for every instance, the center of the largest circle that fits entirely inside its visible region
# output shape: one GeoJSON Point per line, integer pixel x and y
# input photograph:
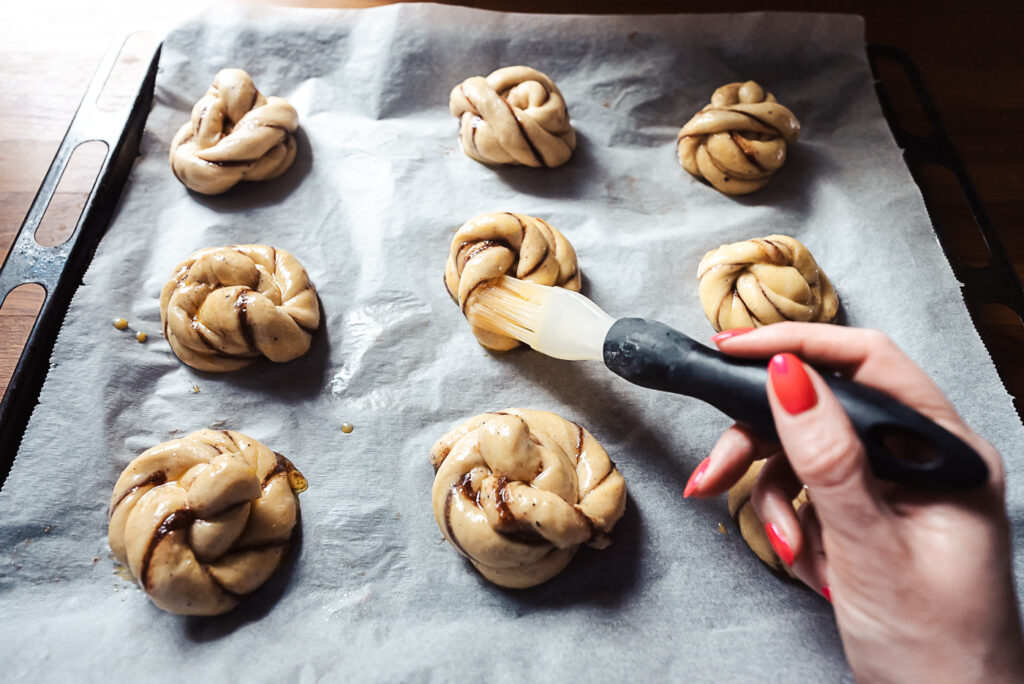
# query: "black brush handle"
{"type": "Point", "coordinates": [654, 355]}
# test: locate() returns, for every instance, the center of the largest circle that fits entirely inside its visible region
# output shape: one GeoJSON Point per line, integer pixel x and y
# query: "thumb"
{"type": "Point", "coordinates": [822, 448]}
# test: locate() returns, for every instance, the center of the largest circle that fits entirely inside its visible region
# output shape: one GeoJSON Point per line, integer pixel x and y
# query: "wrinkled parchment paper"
{"type": "Point", "coordinates": [372, 591]}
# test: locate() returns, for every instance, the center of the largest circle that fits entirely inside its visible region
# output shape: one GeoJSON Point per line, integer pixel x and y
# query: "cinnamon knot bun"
{"type": "Point", "coordinates": [514, 116]}
{"type": "Point", "coordinates": [739, 141]}
{"type": "Point", "coordinates": [235, 134]}
{"type": "Point", "coordinates": [225, 307]}
{"type": "Point", "coordinates": [764, 280]}
{"type": "Point", "coordinates": [517, 491]}
{"type": "Point", "coordinates": [504, 243]}
{"type": "Point", "coordinates": [203, 520]}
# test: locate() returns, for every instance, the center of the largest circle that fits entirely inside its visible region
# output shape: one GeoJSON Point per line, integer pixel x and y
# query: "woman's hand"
{"type": "Point", "coordinates": [921, 582]}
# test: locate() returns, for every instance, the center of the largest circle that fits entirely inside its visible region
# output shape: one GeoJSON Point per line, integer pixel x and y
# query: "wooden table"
{"type": "Point", "coordinates": [969, 54]}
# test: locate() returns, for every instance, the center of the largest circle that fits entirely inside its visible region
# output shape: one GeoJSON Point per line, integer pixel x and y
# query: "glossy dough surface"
{"type": "Point", "coordinates": [739, 141]}
{"type": "Point", "coordinates": [764, 280]}
{"type": "Point", "coordinates": [504, 243]}
{"type": "Point", "coordinates": [235, 134]}
{"type": "Point", "coordinates": [203, 520]}
{"type": "Point", "coordinates": [225, 307]}
{"type": "Point", "coordinates": [517, 491]}
{"type": "Point", "coordinates": [514, 116]}
{"type": "Point", "coordinates": [751, 526]}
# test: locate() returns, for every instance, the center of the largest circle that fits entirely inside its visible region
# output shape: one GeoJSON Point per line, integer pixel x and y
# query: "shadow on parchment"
{"type": "Point", "coordinates": [256, 605]}
{"type": "Point", "coordinates": [791, 186]}
{"type": "Point", "coordinates": [606, 578]}
{"type": "Point", "coordinates": [252, 195]}
{"type": "Point", "coordinates": [302, 378]}
{"type": "Point", "coordinates": [841, 316]}
{"type": "Point", "coordinates": [566, 180]}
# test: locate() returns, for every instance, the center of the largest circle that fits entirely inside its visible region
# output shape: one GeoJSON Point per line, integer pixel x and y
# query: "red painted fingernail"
{"type": "Point", "coordinates": [696, 477]}
{"type": "Point", "coordinates": [779, 543]}
{"type": "Point", "coordinates": [791, 383]}
{"type": "Point", "coordinates": [827, 593]}
{"type": "Point", "coordinates": [718, 338]}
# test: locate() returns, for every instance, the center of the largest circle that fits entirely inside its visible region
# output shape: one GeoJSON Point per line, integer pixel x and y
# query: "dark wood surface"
{"type": "Point", "coordinates": [970, 55]}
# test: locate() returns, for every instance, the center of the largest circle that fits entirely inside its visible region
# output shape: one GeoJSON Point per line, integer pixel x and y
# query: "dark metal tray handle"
{"type": "Point", "coordinates": [995, 283]}
{"type": "Point", "coordinates": [59, 269]}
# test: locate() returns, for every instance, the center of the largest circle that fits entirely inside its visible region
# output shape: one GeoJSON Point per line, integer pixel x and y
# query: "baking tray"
{"type": "Point", "coordinates": [59, 269]}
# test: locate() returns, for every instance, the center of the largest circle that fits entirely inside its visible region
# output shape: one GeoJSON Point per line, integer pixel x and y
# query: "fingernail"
{"type": "Point", "coordinates": [696, 477]}
{"type": "Point", "coordinates": [791, 383]}
{"type": "Point", "coordinates": [718, 338]}
{"type": "Point", "coordinates": [779, 543]}
{"type": "Point", "coordinates": [827, 593]}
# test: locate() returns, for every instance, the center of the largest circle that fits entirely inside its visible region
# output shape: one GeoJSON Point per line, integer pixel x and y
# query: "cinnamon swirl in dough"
{"type": "Point", "coordinates": [235, 134]}
{"type": "Point", "coordinates": [492, 245]}
{"type": "Point", "coordinates": [738, 142]}
{"type": "Point", "coordinates": [764, 280]}
{"type": "Point", "coordinates": [203, 520]}
{"type": "Point", "coordinates": [751, 527]}
{"type": "Point", "coordinates": [514, 116]}
{"type": "Point", "coordinates": [225, 307]}
{"type": "Point", "coordinates": [516, 492]}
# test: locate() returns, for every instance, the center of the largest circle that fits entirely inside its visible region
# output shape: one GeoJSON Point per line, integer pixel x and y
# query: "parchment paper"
{"type": "Point", "coordinates": [372, 591]}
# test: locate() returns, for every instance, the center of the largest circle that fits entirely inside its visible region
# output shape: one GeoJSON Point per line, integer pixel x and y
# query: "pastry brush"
{"type": "Point", "coordinates": [566, 325]}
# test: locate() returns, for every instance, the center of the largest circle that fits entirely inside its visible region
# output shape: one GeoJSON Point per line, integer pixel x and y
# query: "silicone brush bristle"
{"type": "Point", "coordinates": [505, 307]}
{"type": "Point", "coordinates": [554, 321]}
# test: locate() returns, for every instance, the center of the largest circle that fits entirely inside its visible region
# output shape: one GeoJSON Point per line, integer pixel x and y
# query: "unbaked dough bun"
{"type": "Point", "coordinates": [225, 307]}
{"type": "Point", "coordinates": [751, 526]}
{"type": "Point", "coordinates": [203, 520]}
{"type": "Point", "coordinates": [514, 116]}
{"type": "Point", "coordinates": [235, 134]}
{"type": "Point", "coordinates": [764, 280]}
{"type": "Point", "coordinates": [738, 142]}
{"type": "Point", "coordinates": [504, 243]}
{"type": "Point", "coordinates": [517, 491]}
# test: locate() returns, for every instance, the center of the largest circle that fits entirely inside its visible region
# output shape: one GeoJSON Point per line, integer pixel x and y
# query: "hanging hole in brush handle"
{"type": "Point", "coordinates": [654, 355]}
{"type": "Point", "coordinates": [904, 445]}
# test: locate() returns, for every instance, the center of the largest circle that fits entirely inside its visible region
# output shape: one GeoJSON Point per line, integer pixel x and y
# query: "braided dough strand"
{"type": "Point", "coordinates": [739, 141]}
{"type": "Point", "coordinates": [227, 306]}
{"type": "Point", "coordinates": [505, 243]}
{"type": "Point", "coordinates": [203, 520]}
{"type": "Point", "coordinates": [762, 281]}
{"type": "Point", "coordinates": [235, 134]}
{"type": "Point", "coordinates": [517, 491]}
{"type": "Point", "coordinates": [514, 116]}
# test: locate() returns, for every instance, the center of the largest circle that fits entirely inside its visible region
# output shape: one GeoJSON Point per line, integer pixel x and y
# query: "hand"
{"type": "Point", "coordinates": [921, 582]}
